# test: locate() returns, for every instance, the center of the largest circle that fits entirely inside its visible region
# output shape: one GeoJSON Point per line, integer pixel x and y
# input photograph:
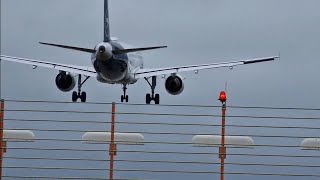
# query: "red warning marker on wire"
{"type": "Point", "coordinates": [223, 96]}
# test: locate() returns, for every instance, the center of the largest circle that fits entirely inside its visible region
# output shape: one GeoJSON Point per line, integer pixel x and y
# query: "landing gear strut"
{"type": "Point", "coordinates": [152, 96]}
{"type": "Point", "coordinates": [80, 95]}
{"type": "Point", "coordinates": [124, 96]}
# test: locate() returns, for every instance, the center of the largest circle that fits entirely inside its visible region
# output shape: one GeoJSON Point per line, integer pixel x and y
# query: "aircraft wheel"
{"type": "Point", "coordinates": [83, 97]}
{"type": "Point", "coordinates": [122, 98]}
{"type": "Point", "coordinates": [148, 98]}
{"type": "Point", "coordinates": [74, 96]}
{"type": "Point", "coordinates": [127, 98]}
{"type": "Point", "coordinates": [157, 99]}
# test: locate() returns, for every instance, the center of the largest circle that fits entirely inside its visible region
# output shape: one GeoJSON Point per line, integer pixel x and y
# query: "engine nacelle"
{"type": "Point", "coordinates": [65, 82]}
{"type": "Point", "coordinates": [174, 85]}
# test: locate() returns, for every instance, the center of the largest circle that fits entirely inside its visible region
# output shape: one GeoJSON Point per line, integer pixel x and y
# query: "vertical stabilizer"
{"type": "Point", "coordinates": [106, 22]}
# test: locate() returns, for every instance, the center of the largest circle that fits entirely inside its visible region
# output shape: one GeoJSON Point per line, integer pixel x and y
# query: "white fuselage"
{"type": "Point", "coordinates": [115, 69]}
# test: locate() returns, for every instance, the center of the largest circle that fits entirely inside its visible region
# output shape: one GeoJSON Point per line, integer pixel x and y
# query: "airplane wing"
{"type": "Point", "coordinates": [87, 71]}
{"type": "Point", "coordinates": [141, 73]}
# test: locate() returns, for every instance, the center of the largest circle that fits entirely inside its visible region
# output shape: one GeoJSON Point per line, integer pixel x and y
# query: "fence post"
{"type": "Point", "coordinates": [2, 143]}
{"type": "Point", "coordinates": [112, 148]}
{"type": "Point", "coordinates": [223, 149]}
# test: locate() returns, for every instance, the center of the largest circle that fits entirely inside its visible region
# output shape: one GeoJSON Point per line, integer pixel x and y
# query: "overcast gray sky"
{"type": "Point", "coordinates": [196, 32]}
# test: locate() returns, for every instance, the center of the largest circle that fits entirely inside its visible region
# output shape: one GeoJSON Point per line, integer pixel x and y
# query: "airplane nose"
{"type": "Point", "coordinates": [102, 49]}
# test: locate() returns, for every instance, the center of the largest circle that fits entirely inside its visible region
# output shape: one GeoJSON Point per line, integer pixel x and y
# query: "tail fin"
{"type": "Point", "coordinates": [106, 22]}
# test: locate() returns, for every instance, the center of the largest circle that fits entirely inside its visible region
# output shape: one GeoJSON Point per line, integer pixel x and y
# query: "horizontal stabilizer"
{"type": "Point", "coordinates": [70, 47]}
{"type": "Point", "coordinates": [120, 51]}
{"type": "Point", "coordinates": [124, 51]}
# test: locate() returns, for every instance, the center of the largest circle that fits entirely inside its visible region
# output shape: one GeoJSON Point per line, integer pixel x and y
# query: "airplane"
{"type": "Point", "coordinates": [117, 63]}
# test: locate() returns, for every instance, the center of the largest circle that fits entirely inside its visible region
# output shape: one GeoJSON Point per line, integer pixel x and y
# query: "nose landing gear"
{"type": "Point", "coordinates": [124, 97]}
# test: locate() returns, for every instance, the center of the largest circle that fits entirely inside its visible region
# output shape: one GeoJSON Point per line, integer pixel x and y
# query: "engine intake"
{"type": "Point", "coordinates": [174, 85]}
{"type": "Point", "coordinates": [65, 82]}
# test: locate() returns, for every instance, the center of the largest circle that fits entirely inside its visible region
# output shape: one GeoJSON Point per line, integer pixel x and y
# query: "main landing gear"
{"type": "Point", "coordinates": [80, 95]}
{"type": "Point", "coordinates": [152, 96]}
{"type": "Point", "coordinates": [149, 97]}
{"type": "Point", "coordinates": [124, 97]}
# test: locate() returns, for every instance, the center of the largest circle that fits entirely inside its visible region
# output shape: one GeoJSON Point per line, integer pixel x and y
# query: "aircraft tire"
{"type": "Point", "coordinates": [74, 96]}
{"type": "Point", "coordinates": [83, 97]}
{"type": "Point", "coordinates": [148, 98]}
{"type": "Point", "coordinates": [157, 99]}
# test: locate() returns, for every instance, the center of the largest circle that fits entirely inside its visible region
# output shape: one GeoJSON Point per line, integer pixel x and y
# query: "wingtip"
{"type": "Point", "coordinates": [162, 47]}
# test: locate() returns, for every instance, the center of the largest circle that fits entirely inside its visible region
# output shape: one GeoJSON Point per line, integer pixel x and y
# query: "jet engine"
{"type": "Point", "coordinates": [65, 81]}
{"type": "Point", "coordinates": [174, 85]}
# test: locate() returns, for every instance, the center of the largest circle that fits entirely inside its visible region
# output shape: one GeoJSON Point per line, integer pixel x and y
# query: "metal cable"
{"type": "Point", "coordinates": [57, 111]}
{"type": "Point", "coordinates": [165, 161]}
{"type": "Point", "coordinates": [165, 124]}
{"type": "Point", "coordinates": [164, 114]}
{"type": "Point", "coordinates": [52, 177]}
{"type": "Point", "coordinates": [166, 171]}
{"type": "Point", "coordinates": [164, 133]}
{"type": "Point", "coordinates": [57, 102]}
{"type": "Point", "coordinates": [163, 152]}
{"type": "Point", "coordinates": [169, 143]}
{"type": "Point", "coordinates": [211, 172]}
{"type": "Point", "coordinates": [168, 105]}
